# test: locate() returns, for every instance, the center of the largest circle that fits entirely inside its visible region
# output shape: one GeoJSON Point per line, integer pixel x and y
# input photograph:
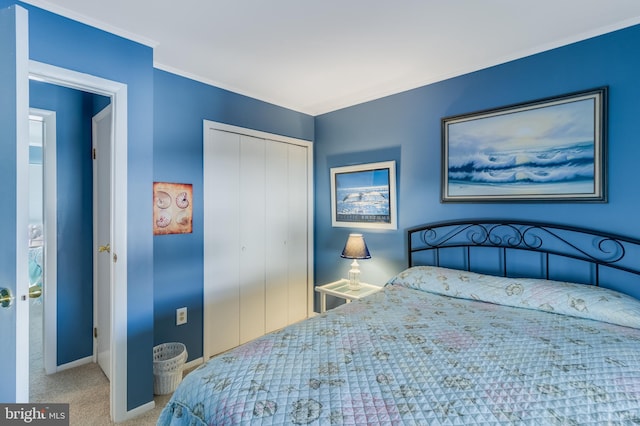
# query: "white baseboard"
{"type": "Point", "coordinates": [73, 364]}
{"type": "Point", "coordinates": [151, 405]}
{"type": "Point", "coordinates": [140, 410]}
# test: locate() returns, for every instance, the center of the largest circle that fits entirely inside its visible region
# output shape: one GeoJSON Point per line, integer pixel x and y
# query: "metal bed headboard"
{"type": "Point", "coordinates": [534, 249]}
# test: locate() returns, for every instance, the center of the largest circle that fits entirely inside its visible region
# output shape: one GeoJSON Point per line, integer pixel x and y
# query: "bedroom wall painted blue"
{"type": "Point", "coordinates": [68, 44]}
{"type": "Point", "coordinates": [406, 127]}
{"type": "Point", "coordinates": [180, 106]}
{"type": "Point", "coordinates": [74, 110]}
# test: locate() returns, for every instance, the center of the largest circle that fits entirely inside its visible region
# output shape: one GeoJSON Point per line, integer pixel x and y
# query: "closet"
{"type": "Point", "coordinates": [257, 234]}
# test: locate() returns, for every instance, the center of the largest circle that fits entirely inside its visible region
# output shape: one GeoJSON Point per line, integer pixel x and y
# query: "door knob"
{"type": "Point", "coordinates": [6, 299]}
{"type": "Point", "coordinates": [35, 291]}
{"type": "Point", "coordinates": [106, 248]}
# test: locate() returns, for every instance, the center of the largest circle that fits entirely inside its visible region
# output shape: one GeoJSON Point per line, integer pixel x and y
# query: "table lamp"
{"type": "Point", "coordinates": [355, 249]}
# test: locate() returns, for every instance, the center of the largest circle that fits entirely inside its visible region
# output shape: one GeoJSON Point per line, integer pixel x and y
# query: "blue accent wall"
{"type": "Point", "coordinates": [68, 44]}
{"type": "Point", "coordinates": [406, 128]}
{"type": "Point", "coordinates": [180, 106]}
{"type": "Point", "coordinates": [165, 114]}
{"type": "Point", "coordinates": [74, 110]}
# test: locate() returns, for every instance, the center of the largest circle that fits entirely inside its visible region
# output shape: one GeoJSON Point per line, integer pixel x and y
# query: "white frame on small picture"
{"type": "Point", "coordinates": [364, 196]}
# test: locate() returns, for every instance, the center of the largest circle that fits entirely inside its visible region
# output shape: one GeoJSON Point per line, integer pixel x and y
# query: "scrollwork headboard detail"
{"type": "Point", "coordinates": [535, 249]}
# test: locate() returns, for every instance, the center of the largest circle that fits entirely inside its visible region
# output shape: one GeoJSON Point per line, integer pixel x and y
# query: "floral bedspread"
{"type": "Point", "coordinates": [409, 356]}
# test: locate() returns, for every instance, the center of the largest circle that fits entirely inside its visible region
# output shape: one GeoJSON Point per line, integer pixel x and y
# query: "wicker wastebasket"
{"type": "Point", "coordinates": [168, 363]}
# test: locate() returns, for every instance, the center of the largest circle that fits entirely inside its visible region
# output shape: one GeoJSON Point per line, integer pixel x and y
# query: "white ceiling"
{"type": "Point", "coordinates": [319, 56]}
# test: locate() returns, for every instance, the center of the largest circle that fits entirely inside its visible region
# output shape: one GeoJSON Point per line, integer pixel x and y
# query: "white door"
{"type": "Point", "coordinates": [252, 237]}
{"type": "Point", "coordinates": [221, 229]}
{"type": "Point", "coordinates": [14, 169]}
{"type": "Point", "coordinates": [297, 233]}
{"type": "Point", "coordinates": [286, 233]}
{"type": "Point", "coordinates": [277, 261]}
{"type": "Point", "coordinates": [258, 209]}
{"type": "Point", "coordinates": [102, 142]}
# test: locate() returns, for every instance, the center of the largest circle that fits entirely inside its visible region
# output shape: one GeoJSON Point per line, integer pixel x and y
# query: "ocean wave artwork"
{"type": "Point", "coordinates": [537, 151]}
{"type": "Point", "coordinates": [371, 200]}
{"type": "Point", "coordinates": [363, 196]}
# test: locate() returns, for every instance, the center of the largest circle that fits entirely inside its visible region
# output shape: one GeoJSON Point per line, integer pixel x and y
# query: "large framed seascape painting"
{"type": "Point", "coordinates": [364, 196]}
{"type": "Point", "coordinates": [552, 149]}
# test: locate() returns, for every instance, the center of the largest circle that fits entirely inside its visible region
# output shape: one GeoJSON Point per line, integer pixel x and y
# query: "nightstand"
{"type": "Point", "coordinates": [340, 289]}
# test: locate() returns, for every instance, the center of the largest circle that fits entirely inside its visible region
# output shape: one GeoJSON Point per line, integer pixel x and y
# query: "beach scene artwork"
{"type": "Point", "coordinates": [364, 196]}
{"type": "Point", "coordinates": [545, 151]}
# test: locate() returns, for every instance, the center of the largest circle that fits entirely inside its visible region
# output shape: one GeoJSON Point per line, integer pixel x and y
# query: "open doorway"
{"type": "Point", "coordinates": [116, 93]}
{"type": "Point", "coordinates": [18, 69]}
{"type": "Point", "coordinates": [62, 339]}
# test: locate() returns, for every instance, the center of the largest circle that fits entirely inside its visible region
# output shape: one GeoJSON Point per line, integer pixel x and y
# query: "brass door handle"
{"type": "Point", "coordinates": [106, 248]}
{"type": "Point", "coordinates": [6, 299]}
{"type": "Point", "coordinates": [35, 291]}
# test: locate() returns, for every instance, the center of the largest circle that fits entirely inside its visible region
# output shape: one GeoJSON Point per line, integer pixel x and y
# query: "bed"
{"type": "Point", "coordinates": [483, 327]}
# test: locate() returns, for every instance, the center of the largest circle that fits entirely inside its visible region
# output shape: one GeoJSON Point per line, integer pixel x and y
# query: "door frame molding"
{"type": "Point", "coordinates": [118, 94]}
{"type": "Point", "coordinates": [50, 232]}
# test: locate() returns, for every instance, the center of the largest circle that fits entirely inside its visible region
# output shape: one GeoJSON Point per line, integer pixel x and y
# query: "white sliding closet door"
{"type": "Point", "coordinates": [297, 240]}
{"type": "Point", "coordinates": [286, 266]}
{"type": "Point", "coordinates": [221, 231]}
{"type": "Point", "coordinates": [252, 237]}
{"type": "Point", "coordinates": [278, 216]}
{"type": "Point", "coordinates": [258, 235]}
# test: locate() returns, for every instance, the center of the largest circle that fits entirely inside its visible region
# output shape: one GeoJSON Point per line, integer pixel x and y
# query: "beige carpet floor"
{"type": "Point", "coordinates": [84, 388]}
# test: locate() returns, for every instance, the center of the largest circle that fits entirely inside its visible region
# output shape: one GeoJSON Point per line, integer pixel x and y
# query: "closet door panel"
{"type": "Point", "coordinates": [277, 216]}
{"type": "Point", "coordinates": [252, 238]}
{"type": "Point", "coordinates": [221, 229]}
{"type": "Point", "coordinates": [297, 240]}
{"type": "Point", "coordinates": [256, 236]}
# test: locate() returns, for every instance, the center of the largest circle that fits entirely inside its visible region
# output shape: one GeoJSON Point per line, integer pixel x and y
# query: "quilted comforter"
{"type": "Point", "coordinates": [423, 351]}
